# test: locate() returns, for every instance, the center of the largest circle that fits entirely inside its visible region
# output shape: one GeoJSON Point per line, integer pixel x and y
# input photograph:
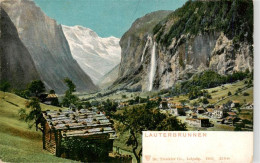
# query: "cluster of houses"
{"type": "Point", "coordinates": [123, 104]}
{"type": "Point", "coordinates": [199, 116]}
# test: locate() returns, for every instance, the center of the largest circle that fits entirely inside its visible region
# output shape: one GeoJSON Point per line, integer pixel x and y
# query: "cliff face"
{"type": "Point", "coordinates": [213, 35]}
{"type": "Point", "coordinates": [16, 64]}
{"type": "Point", "coordinates": [48, 47]}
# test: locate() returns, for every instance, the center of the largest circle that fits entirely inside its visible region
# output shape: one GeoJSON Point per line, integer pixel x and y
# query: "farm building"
{"type": "Point", "coordinates": [200, 110]}
{"type": "Point", "coordinates": [65, 131]}
{"type": "Point", "coordinates": [235, 103]}
{"type": "Point", "coordinates": [210, 112]}
{"type": "Point", "coordinates": [49, 99]}
{"type": "Point", "coordinates": [180, 110]}
{"type": "Point", "coordinates": [163, 105]}
{"type": "Point", "coordinates": [199, 122]}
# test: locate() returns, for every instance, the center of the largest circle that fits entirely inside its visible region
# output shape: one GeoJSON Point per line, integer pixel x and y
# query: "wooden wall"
{"type": "Point", "coordinates": [49, 139]}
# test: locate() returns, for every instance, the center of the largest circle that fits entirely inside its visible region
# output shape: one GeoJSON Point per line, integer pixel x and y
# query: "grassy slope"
{"type": "Point", "coordinates": [223, 92]}
{"type": "Point", "coordinates": [17, 142]}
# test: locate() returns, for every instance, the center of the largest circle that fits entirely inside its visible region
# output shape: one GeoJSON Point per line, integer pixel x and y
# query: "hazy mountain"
{"type": "Point", "coordinates": [47, 45]}
{"type": "Point", "coordinates": [16, 64]}
{"type": "Point", "coordinates": [107, 80]}
{"type": "Point", "coordinates": [95, 55]}
{"type": "Point", "coordinates": [201, 35]}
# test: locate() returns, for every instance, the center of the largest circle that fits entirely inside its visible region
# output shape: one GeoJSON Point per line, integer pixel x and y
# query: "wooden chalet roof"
{"type": "Point", "coordinates": [179, 107]}
{"type": "Point", "coordinates": [231, 113]}
{"type": "Point", "coordinates": [236, 102]}
{"type": "Point", "coordinates": [82, 122]}
{"type": "Point", "coordinates": [200, 108]}
{"type": "Point", "coordinates": [210, 110]}
{"type": "Point", "coordinates": [52, 96]}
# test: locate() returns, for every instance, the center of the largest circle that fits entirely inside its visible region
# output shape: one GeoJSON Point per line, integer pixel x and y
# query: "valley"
{"type": "Point", "coordinates": [70, 92]}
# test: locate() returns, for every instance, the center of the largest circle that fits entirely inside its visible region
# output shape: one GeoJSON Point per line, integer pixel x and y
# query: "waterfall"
{"type": "Point", "coordinates": [145, 47]}
{"type": "Point", "coordinates": [152, 67]}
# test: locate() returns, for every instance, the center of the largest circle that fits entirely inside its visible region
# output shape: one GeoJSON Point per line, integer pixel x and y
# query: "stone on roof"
{"type": "Point", "coordinates": [81, 122]}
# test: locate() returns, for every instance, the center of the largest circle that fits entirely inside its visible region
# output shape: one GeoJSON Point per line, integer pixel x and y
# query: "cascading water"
{"type": "Point", "coordinates": [145, 47]}
{"type": "Point", "coordinates": [152, 67]}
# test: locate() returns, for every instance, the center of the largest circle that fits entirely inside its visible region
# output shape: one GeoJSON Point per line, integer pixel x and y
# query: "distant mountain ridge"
{"type": "Point", "coordinates": [95, 55]}
{"type": "Point", "coordinates": [47, 45]}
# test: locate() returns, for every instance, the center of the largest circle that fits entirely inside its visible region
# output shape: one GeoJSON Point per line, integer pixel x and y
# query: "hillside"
{"type": "Point", "coordinates": [108, 79]}
{"type": "Point", "coordinates": [16, 64]}
{"type": "Point", "coordinates": [199, 36]}
{"type": "Point", "coordinates": [94, 54]}
{"type": "Point", "coordinates": [47, 45]}
{"type": "Point", "coordinates": [17, 142]}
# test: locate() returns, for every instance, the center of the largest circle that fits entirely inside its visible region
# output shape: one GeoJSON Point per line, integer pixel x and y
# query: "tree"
{"type": "Point", "coordinates": [138, 119]}
{"type": "Point", "coordinates": [4, 86]}
{"type": "Point", "coordinates": [69, 98]}
{"type": "Point", "coordinates": [204, 100]}
{"type": "Point", "coordinates": [52, 92]}
{"type": "Point", "coordinates": [36, 87]}
{"type": "Point", "coordinates": [34, 117]}
{"type": "Point", "coordinates": [70, 85]}
{"type": "Point", "coordinates": [229, 93]}
{"type": "Point", "coordinates": [184, 102]}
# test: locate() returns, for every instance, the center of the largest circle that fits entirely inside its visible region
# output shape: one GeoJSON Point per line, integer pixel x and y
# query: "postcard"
{"type": "Point", "coordinates": [127, 81]}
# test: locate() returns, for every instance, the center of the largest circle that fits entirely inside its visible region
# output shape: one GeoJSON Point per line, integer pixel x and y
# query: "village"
{"type": "Point", "coordinates": [203, 116]}
{"type": "Point", "coordinates": [92, 121]}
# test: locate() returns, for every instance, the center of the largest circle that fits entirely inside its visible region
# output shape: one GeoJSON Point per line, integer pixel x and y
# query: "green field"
{"type": "Point", "coordinates": [17, 142]}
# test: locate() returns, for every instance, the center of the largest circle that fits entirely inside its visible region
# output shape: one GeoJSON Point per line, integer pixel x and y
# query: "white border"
{"type": "Point", "coordinates": [256, 79]}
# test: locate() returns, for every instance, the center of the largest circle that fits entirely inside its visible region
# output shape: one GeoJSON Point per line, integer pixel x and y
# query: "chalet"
{"type": "Point", "coordinates": [154, 99]}
{"type": "Point", "coordinates": [49, 99]}
{"type": "Point", "coordinates": [231, 120]}
{"type": "Point", "coordinates": [209, 112]}
{"type": "Point", "coordinates": [219, 112]}
{"type": "Point", "coordinates": [248, 106]}
{"type": "Point", "coordinates": [88, 125]}
{"type": "Point", "coordinates": [193, 116]}
{"type": "Point", "coordinates": [200, 110]}
{"type": "Point", "coordinates": [199, 122]}
{"type": "Point", "coordinates": [231, 114]}
{"type": "Point", "coordinates": [171, 104]}
{"type": "Point", "coordinates": [123, 104]}
{"type": "Point", "coordinates": [235, 104]}
{"type": "Point", "coordinates": [180, 110]}
{"type": "Point", "coordinates": [163, 105]}
{"type": "Point", "coordinates": [169, 99]}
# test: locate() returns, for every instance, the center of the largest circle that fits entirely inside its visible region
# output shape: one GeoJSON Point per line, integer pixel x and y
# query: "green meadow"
{"type": "Point", "coordinates": [18, 143]}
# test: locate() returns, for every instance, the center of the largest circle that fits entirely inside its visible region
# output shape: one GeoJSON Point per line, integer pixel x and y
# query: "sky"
{"type": "Point", "coordinates": [105, 17]}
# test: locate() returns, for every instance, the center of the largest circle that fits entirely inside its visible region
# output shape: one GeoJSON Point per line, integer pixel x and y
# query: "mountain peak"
{"type": "Point", "coordinates": [95, 55]}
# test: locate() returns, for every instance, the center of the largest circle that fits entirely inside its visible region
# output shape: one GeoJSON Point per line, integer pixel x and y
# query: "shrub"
{"type": "Point", "coordinates": [245, 94]}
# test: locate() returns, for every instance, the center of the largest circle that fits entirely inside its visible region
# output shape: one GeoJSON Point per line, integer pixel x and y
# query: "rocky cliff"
{"type": "Point", "coordinates": [48, 47]}
{"type": "Point", "coordinates": [201, 35]}
{"type": "Point", "coordinates": [16, 64]}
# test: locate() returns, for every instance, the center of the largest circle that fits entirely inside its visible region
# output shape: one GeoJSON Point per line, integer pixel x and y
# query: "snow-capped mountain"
{"type": "Point", "coordinates": [95, 55]}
